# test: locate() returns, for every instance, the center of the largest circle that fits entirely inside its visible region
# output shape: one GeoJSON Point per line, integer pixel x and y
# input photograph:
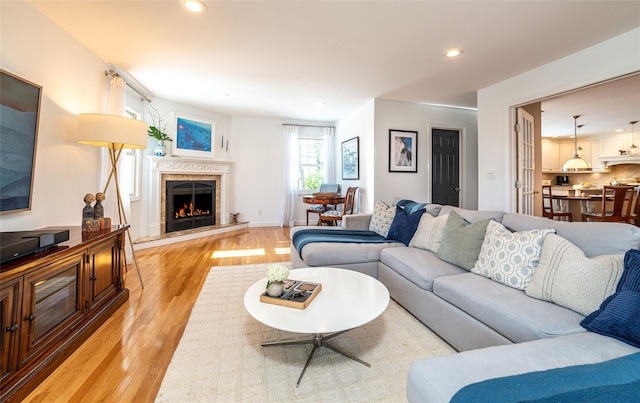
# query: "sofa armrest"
{"type": "Point", "coordinates": [356, 221]}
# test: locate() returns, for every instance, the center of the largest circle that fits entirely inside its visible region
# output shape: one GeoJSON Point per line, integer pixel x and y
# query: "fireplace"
{"type": "Point", "coordinates": [190, 204]}
{"type": "Point", "coordinates": [163, 169]}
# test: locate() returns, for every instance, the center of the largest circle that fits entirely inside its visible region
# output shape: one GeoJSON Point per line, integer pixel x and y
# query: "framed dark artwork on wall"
{"type": "Point", "coordinates": [403, 151]}
{"type": "Point", "coordinates": [194, 137]}
{"type": "Point", "coordinates": [19, 116]}
{"type": "Point", "coordinates": [350, 159]}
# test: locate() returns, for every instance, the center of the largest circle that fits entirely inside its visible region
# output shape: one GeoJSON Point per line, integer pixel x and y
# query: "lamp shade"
{"type": "Point", "coordinates": [576, 164]}
{"type": "Point", "coordinates": [111, 131]}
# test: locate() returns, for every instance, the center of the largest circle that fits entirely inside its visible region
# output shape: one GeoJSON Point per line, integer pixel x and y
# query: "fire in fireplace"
{"type": "Point", "coordinates": [190, 204]}
{"type": "Point", "coordinates": [188, 211]}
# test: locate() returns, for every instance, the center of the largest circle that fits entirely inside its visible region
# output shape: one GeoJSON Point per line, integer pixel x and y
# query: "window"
{"type": "Point", "coordinates": [131, 158]}
{"type": "Point", "coordinates": [312, 156]}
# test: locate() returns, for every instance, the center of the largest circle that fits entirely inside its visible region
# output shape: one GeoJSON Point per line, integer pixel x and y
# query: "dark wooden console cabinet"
{"type": "Point", "coordinates": [50, 303]}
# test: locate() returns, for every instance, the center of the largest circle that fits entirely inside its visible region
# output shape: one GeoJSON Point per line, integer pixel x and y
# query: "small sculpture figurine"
{"type": "Point", "coordinates": [98, 209]}
{"type": "Point", "coordinates": [234, 218]}
{"type": "Point", "coordinates": [87, 211]}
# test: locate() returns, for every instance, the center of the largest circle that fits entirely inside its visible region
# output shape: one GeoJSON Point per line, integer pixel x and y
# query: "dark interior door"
{"type": "Point", "coordinates": [445, 183]}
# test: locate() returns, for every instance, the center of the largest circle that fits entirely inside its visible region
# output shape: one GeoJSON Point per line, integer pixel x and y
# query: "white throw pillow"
{"type": "Point", "coordinates": [567, 277]}
{"type": "Point", "coordinates": [429, 233]}
{"type": "Point", "coordinates": [509, 257]}
{"type": "Point", "coordinates": [382, 218]}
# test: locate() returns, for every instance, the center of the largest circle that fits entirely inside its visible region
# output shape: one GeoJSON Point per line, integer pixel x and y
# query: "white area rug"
{"type": "Point", "coordinates": [219, 357]}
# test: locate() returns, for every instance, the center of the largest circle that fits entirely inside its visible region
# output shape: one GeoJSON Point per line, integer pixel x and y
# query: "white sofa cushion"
{"type": "Point", "coordinates": [510, 312]}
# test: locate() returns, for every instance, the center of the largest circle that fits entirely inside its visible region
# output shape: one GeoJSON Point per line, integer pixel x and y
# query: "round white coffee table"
{"type": "Point", "coordinates": [348, 299]}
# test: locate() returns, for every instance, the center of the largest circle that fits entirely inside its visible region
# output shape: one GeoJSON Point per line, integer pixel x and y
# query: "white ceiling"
{"type": "Point", "coordinates": [603, 109]}
{"type": "Point", "coordinates": [280, 58]}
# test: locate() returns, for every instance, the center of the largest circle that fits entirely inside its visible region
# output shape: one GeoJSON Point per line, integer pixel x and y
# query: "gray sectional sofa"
{"type": "Point", "coordinates": [499, 330]}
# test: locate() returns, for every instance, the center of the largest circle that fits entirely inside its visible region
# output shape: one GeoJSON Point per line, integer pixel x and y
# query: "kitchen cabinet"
{"type": "Point", "coordinates": [51, 302]}
{"type": "Point", "coordinates": [556, 153]}
{"type": "Point", "coordinates": [613, 145]}
{"type": "Point", "coordinates": [566, 151]}
{"type": "Point", "coordinates": [550, 156]}
{"type": "Point", "coordinates": [596, 152]}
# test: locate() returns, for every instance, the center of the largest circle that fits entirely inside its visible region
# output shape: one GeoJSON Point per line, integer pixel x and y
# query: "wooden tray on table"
{"type": "Point", "coordinates": [297, 294]}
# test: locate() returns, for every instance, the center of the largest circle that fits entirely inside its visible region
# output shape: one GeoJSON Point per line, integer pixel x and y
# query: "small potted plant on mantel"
{"type": "Point", "coordinates": [158, 130]}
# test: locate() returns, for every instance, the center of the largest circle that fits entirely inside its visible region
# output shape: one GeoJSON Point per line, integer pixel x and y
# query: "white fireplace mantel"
{"type": "Point", "coordinates": [191, 166]}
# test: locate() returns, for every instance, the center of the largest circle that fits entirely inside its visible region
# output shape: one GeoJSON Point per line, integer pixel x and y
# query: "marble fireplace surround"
{"type": "Point", "coordinates": [162, 169]}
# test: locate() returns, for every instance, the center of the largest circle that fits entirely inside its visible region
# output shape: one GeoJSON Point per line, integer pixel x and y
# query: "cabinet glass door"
{"type": "Point", "coordinates": [56, 299]}
{"type": "Point", "coordinates": [52, 305]}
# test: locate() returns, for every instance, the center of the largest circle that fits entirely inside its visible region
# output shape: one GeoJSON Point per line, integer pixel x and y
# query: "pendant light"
{"type": "Point", "coordinates": [579, 150]}
{"type": "Point", "coordinates": [575, 163]}
{"type": "Point", "coordinates": [633, 150]}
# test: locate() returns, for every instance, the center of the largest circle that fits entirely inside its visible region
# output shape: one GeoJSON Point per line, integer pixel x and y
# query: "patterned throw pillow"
{"type": "Point", "coordinates": [382, 218]}
{"type": "Point", "coordinates": [429, 233]}
{"type": "Point", "coordinates": [509, 257]}
{"type": "Point", "coordinates": [462, 241]}
{"type": "Point", "coordinates": [566, 277]}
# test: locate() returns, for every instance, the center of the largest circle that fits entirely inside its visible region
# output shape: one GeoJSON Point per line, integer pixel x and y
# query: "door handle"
{"type": "Point", "coordinates": [457, 189]}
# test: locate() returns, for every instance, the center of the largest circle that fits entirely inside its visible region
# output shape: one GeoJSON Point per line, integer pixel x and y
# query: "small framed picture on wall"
{"type": "Point", "coordinates": [403, 151]}
{"type": "Point", "coordinates": [350, 156]}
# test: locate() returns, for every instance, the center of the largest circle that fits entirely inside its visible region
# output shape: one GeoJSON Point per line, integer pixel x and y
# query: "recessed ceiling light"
{"type": "Point", "coordinates": [453, 52]}
{"type": "Point", "coordinates": [619, 130]}
{"type": "Point", "coordinates": [195, 6]}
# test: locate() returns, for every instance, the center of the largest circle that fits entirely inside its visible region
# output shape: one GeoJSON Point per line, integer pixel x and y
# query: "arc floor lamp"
{"type": "Point", "coordinates": [115, 133]}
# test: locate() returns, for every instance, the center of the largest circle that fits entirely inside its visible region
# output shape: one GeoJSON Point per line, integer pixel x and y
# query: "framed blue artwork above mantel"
{"type": "Point", "coordinates": [194, 137]}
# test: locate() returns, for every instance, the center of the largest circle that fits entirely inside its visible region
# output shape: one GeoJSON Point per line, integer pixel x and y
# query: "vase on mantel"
{"type": "Point", "coordinates": [161, 149]}
{"type": "Point", "coordinates": [275, 289]}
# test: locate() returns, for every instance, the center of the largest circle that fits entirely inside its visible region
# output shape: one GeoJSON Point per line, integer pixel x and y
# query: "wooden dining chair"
{"type": "Point", "coordinates": [634, 217]}
{"type": "Point", "coordinates": [331, 217]}
{"type": "Point", "coordinates": [319, 208]}
{"type": "Point", "coordinates": [547, 205]}
{"type": "Point", "coordinates": [615, 198]}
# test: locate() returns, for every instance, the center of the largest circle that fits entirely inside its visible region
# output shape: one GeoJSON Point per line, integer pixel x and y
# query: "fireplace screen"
{"type": "Point", "coordinates": [190, 204]}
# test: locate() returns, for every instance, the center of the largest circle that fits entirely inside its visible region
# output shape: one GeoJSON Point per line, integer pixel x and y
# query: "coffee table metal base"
{"type": "Point", "coordinates": [318, 341]}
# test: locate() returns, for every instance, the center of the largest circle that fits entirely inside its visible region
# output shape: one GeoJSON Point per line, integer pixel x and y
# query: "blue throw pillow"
{"type": "Point", "coordinates": [618, 315]}
{"type": "Point", "coordinates": [410, 206]}
{"type": "Point", "coordinates": [404, 225]}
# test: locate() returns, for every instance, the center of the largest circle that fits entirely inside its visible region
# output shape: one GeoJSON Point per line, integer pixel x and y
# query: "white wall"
{"type": "Point", "coordinates": [422, 118]}
{"type": "Point", "coordinates": [258, 146]}
{"type": "Point", "coordinates": [359, 123]}
{"type": "Point", "coordinates": [609, 59]}
{"type": "Point", "coordinates": [73, 82]}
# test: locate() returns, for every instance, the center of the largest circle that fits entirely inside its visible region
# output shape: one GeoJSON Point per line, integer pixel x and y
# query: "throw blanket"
{"type": "Point", "coordinates": [616, 380]}
{"type": "Point", "coordinates": [306, 236]}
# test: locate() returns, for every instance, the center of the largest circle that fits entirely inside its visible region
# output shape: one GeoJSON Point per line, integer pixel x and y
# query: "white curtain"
{"type": "Point", "coordinates": [289, 177]}
{"type": "Point", "coordinates": [329, 152]}
{"type": "Point", "coordinates": [116, 106]}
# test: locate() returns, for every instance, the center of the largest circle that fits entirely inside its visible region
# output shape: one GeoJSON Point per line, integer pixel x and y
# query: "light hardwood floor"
{"type": "Point", "coordinates": [127, 357]}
